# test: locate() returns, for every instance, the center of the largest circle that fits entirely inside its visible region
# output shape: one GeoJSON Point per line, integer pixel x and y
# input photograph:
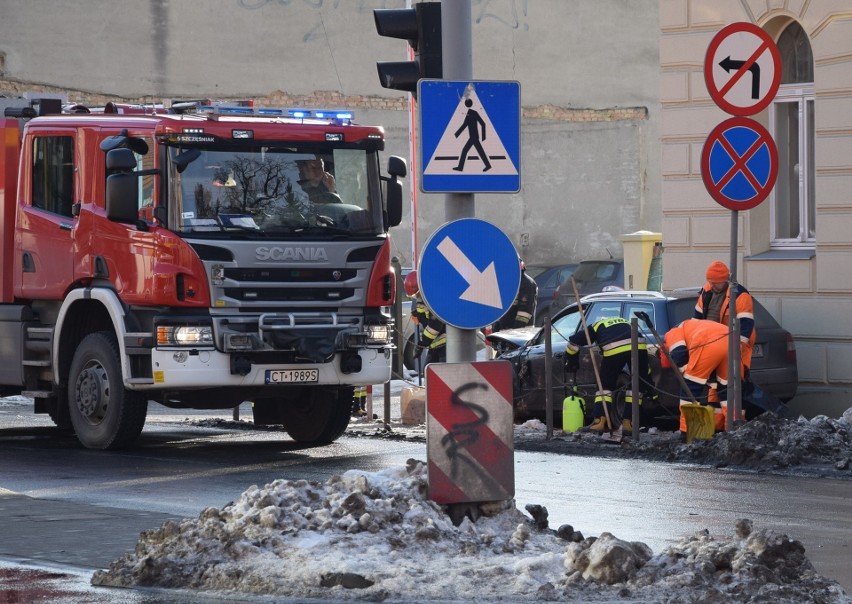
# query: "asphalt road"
{"type": "Point", "coordinates": [61, 504]}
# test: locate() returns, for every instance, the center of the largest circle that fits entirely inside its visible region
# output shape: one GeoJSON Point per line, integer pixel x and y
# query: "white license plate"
{"type": "Point", "coordinates": [290, 376]}
{"type": "Point", "coordinates": [757, 351]}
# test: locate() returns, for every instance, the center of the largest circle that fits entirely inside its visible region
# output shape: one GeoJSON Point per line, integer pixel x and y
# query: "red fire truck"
{"type": "Point", "coordinates": [198, 255]}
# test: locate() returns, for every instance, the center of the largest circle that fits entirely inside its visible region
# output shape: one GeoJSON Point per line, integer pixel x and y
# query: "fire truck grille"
{"type": "Point", "coordinates": [289, 275]}
{"type": "Point", "coordinates": [280, 294]}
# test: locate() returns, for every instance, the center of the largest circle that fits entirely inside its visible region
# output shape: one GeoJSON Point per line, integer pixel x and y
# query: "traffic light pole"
{"type": "Point", "coordinates": [457, 61]}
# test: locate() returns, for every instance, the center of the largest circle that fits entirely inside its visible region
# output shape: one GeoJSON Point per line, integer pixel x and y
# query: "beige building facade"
{"type": "Point", "coordinates": [795, 248]}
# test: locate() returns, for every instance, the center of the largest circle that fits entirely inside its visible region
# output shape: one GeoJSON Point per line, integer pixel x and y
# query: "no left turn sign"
{"type": "Point", "coordinates": [742, 69]}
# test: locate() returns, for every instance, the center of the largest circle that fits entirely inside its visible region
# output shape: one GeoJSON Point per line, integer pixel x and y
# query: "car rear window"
{"type": "Point", "coordinates": [683, 308]}
{"type": "Point", "coordinates": [679, 310]}
{"type": "Point", "coordinates": [762, 317]}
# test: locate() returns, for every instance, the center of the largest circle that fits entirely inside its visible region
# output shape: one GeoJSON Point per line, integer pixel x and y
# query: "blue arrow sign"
{"type": "Point", "coordinates": [469, 273]}
{"type": "Point", "coordinates": [470, 136]}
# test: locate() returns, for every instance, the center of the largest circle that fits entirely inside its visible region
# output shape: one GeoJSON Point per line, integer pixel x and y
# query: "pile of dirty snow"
{"type": "Point", "coordinates": [375, 536]}
{"type": "Point", "coordinates": [769, 442]}
{"type": "Point", "coordinates": [820, 446]}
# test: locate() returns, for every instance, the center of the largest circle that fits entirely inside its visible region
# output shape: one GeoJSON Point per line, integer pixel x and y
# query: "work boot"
{"type": "Point", "coordinates": [598, 425]}
{"type": "Point", "coordinates": [627, 426]}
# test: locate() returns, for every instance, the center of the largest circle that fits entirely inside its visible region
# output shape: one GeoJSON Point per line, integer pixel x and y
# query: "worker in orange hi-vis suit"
{"type": "Point", "coordinates": [699, 348]}
{"type": "Point", "coordinates": [714, 304]}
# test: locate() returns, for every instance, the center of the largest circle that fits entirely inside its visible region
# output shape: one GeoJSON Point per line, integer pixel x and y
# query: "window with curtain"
{"type": "Point", "coordinates": [793, 200]}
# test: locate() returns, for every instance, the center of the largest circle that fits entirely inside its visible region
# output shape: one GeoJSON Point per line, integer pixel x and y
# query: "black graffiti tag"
{"type": "Point", "coordinates": [462, 435]}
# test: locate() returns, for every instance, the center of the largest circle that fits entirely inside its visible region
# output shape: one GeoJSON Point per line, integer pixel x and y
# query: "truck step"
{"type": "Point", "coordinates": [141, 381]}
{"type": "Point", "coordinates": [36, 363]}
{"type": "Point", "coordinates": [37, 393]}
{"type": "Point", "coordinates": [38, 346]}
{"type": "Point", "coordinates": [40, 333]}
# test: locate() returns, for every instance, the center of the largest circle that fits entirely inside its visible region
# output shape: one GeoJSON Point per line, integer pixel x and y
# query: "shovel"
{"type": "Point", "coordinates": [614, 434]}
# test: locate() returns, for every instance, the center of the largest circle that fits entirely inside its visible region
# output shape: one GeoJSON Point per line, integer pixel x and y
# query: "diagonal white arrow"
{"type": "Point", "coordinates": [483, 287]}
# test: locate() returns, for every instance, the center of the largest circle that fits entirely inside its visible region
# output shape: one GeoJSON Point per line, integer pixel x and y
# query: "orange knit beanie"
{"type": "Point", "coordinates": [717, 271]}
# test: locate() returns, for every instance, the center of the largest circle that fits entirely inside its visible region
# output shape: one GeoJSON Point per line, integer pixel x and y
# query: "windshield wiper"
{"type": "Point", "coordinates": [329, 230]}
{"type": "Point", "coordinates": [245, 229]}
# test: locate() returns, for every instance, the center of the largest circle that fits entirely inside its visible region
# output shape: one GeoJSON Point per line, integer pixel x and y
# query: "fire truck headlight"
{"type": "Point", "coordinates": [378, 334]}
{"type": "Point", "coordinates": [184, 335]}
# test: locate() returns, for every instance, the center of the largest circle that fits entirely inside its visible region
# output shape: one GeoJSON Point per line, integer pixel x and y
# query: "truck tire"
{"type": "Point", "coordinates": [319, 415]}
{"type": "Point", "coordinates": [103, 413]}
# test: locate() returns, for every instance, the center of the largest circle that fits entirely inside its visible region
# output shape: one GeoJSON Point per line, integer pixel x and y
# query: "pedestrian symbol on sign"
{"type": "Point", "coordinates": [472, 122]}
{"type": "Point", "coordinates": [470, 129]}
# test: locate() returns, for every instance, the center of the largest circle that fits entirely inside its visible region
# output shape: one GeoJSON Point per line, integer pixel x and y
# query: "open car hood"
{"type": "Point", "coordinates": [510, 339]}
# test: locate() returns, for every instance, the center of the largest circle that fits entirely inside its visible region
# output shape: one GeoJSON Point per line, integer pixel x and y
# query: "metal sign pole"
{"type": "Point", "coordinates": [634, 375]}
{"type": "Point", "coordinates": [548, 376]}
{"type": "Point", "coordinates": [457, 52]}
{"type": "Point", "coordinates": [734, 389]}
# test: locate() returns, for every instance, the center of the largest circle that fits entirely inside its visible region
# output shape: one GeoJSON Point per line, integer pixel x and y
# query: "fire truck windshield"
{"type": "Point", "coordinates": [275, 191]}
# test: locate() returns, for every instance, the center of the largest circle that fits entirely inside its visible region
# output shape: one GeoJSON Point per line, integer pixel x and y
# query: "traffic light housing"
{"type": "Point", "coordinates": [421, 26]}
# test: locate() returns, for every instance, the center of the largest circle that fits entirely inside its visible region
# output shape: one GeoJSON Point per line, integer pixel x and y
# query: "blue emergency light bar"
{"type": "Point", "coordinates": [334, 115]}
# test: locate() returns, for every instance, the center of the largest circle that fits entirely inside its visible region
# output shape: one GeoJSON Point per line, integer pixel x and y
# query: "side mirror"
{"type": "Point", "coordinates": [120, 160]}
{"type": "Point", "coordinates": [182, 160]}
{"type": "Point", "coordinates": [122, 197]}
{"type": "Point", "coordinates": [397, 168]}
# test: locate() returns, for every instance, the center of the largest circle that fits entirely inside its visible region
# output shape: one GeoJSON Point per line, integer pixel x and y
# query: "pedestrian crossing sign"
{"type": "Point", "coordinates": [470, 136]}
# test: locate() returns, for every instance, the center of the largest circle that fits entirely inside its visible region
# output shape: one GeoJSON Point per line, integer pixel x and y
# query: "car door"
{"type": "Point", "coordinates": [45, 246]}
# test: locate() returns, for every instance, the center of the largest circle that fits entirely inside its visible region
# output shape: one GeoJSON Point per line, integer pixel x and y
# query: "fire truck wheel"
{"type": "Point", "coordinates": [318, 415]}
{"type": "Point", "coordinates": [103, 413]}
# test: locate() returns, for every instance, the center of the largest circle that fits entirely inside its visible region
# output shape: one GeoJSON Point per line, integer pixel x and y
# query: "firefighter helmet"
{"type": "Point", "coordinates": [410, 283]}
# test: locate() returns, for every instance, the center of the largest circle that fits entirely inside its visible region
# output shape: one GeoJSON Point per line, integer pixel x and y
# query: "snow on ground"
{"type": "Point", "coordinates": [376, 537]}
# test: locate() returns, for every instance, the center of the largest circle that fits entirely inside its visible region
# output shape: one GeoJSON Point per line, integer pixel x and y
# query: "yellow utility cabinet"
{"type": "Point", "coordinates": [640, 249]}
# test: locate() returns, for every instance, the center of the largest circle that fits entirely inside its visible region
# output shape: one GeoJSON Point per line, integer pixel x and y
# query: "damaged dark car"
{"type": "Point", "coordinates": [774, 374]}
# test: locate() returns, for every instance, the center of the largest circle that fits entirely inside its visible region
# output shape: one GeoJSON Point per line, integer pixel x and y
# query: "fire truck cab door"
{"type": "Point", "coordinates": [45, 249]}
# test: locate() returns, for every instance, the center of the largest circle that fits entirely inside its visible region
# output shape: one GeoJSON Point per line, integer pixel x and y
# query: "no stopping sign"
{"type": "Point", "coordinates": [739, 163]}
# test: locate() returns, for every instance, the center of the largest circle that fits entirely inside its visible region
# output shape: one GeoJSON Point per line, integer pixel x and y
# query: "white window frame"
{"type": "Point", "coordinates": [801, 94]}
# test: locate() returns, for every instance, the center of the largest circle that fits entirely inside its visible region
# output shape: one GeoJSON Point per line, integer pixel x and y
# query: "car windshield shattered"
{"type": "Point", "coordinates": [274, 191]}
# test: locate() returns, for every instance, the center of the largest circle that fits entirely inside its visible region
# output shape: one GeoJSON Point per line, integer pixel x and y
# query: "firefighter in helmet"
{"type": "Point", "coordinates": [434, 334]}
{"type": "Point", "coordinates": [612, 335]}
{"type": "Point", "coordinates": [522, 311]}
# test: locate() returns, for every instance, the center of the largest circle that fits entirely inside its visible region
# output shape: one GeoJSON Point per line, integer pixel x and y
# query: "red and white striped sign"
{"type": "Point", "coordinates": [469, 431]}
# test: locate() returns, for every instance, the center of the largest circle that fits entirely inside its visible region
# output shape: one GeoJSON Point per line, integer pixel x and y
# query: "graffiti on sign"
{"type": "Point", "coordinates": [462, 435]}
{"type": "Point", "coordinates": [469, 431]}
